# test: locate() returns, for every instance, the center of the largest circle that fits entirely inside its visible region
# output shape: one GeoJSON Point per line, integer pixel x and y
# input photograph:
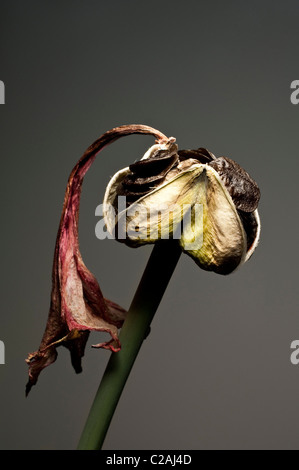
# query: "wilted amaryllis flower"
{"type": "Point", "coordinates": [77, 303]}
{"type": "Point", "coordinates": [168, 184]}
{"type": "Point", "coordinates": [163, 195]}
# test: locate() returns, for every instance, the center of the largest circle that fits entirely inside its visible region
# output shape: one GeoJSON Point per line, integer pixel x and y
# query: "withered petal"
{"type": "Point", "coordinates": [222, 241]}
{"type": "Point", "coordinates": [201, 154]}
{"type": "Point", "coordinates": [243, 189]}
{"type": "Point", "coordinates": [77, 303]}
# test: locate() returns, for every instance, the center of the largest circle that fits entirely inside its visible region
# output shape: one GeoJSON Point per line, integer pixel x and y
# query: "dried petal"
{"type": "Point", "coordinates": [222, 243]}
{"type": "Point", "coordinates": [243, 190]}
{"type": "Point", "coordinates": [77, 303]}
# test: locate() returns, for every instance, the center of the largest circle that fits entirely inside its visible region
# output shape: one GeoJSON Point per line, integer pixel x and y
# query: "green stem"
{"type": "Point", "coordinates": [152, 286]}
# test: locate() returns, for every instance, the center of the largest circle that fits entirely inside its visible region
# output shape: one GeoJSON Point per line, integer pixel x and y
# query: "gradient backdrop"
{"type": "Point", "coordinates": [215, 372]}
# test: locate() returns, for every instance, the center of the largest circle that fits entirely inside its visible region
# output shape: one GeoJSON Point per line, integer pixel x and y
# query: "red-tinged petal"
{"type": "Point", "coordinates": [77, 303]}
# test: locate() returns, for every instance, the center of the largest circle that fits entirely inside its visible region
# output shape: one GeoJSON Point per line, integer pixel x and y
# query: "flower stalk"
{"type": "Point", "coordinates": [157, 274]}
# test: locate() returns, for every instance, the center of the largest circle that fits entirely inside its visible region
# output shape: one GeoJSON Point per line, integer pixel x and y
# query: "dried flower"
{"type": "Point", "coordinates": [208, 204]}
{"type": "Point", "coordinates": [164, 190]}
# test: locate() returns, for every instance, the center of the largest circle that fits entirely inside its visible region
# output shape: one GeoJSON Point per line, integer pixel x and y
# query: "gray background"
{"type": "Point", "coordinates": [215, 372]}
